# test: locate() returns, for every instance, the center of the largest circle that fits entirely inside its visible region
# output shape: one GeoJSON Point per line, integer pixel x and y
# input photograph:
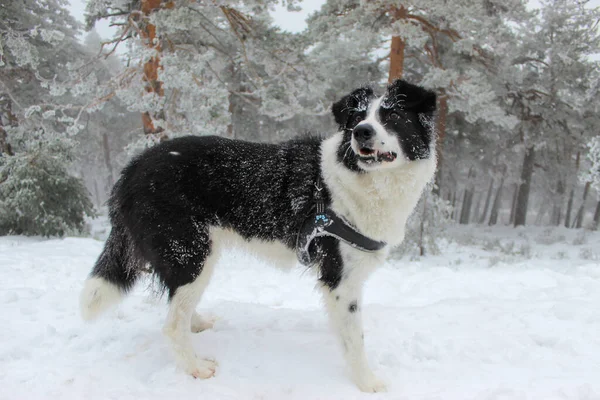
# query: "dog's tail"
{"type": "Point", "coordinates": [115, 273]}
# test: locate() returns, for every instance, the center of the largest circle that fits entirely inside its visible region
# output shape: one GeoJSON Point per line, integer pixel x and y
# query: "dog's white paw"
{"type": "Point", "coordinates": [370, 384]}
{"type": "Point", "coordinates": [203, 369]}
{"type": "Point", "coordinates": [200, 324]}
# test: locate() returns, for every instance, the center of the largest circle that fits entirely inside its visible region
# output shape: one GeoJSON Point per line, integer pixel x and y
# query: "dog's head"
{"type": "Point", "coordinates": [387, 131]}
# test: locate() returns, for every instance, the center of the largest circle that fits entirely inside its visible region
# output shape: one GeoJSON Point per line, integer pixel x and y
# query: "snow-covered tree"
{"type": "Point", "coordinates": [547, 90]}
{"type": "Point", "coordinates": [204, 67]}
{"type": "Point", "coordinates": [453, 47]}
{"type": "Point", "coordinates": [107, 130]}
{"type": "Point", "coordinates": [38, 195]}
{"type": "Point", "coordinates": [450, 47]}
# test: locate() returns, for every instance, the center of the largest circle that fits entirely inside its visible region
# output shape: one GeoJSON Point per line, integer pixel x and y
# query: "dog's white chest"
{"type": "Point", "coordinates": [377, 203]}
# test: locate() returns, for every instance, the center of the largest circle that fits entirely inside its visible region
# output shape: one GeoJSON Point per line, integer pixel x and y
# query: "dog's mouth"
{"type": "Point", "coordinates": [370, 156]}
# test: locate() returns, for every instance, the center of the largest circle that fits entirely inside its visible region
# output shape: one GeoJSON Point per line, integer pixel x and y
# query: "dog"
{"type": "Point", "coordinates": [179, 204]}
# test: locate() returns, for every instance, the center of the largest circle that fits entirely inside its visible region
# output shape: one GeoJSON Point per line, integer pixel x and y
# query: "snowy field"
{"type": "Point", "coordinates": [500, 314]}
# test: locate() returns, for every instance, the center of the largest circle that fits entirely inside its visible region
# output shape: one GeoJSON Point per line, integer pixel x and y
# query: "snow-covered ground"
{"type": "Point", "coordinates": [500, 314]}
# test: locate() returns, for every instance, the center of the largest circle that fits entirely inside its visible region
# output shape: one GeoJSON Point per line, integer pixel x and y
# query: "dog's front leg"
{"type": "Point", "coordinates": [344, 307]}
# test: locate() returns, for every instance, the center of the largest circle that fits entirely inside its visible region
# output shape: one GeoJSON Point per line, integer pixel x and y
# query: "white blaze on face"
{"type": "Point", "coordinates": [373, 119]}
{"type": "Point", "coordinates": [383, 141]}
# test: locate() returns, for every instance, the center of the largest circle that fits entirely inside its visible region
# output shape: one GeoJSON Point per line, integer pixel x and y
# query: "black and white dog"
{"type": "Point", "coordinates": [180, 204]}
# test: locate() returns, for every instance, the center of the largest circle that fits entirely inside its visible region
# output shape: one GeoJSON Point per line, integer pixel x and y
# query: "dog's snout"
{"type": "Point", "coordinates": [362, 133]}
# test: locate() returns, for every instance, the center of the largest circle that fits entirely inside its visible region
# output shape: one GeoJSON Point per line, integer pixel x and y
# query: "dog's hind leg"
{"type": "Point", "coordinates": [343, 300]}
{"type": "Point", "coordinates": [200, 323]}
{"type": "Point", "coordinates": [179, 320]}
{"type": "Point", "coordinates": [191, 266]}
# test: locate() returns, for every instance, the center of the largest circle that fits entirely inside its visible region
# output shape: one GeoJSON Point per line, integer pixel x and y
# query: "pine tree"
{"type": "Point", "coordinates": [549, 80]}
{"type": "Point", "coordinates": [204, 68]}
{"type": "Point", "coordinates": [108, 130]}
{"type": "Point", "coordinates": [37, 193]}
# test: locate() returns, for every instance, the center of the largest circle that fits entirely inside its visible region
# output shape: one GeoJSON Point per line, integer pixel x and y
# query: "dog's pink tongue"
{"type": "Point", "coordinates": [387, 156]}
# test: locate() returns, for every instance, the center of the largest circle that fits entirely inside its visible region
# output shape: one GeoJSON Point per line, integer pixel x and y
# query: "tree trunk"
{"type": "Point", "coordinates": [486, 205]}
{"type": "Point", "coordinates": [6, 111]}
{"type": "Point", "coordinates": [440, 125]}
{"type": "Point", "coordinates": [597, 216]}
{"type": "Point", "coordinates": [476, 210]}
{"type": "Point", "coordinates": [459, 204]}
{"type": "Point", "coordinates": [556, 209]}
{"type": "Point", "coordinates": [152, 66]}
{"type": "Point", "coordinates": [469, 207]}
{"type": "Point", "coordinates": [5, 147]}
{"type": "Point", "coordinates": [453, 205]}
{"type": "Point", "coordinates": [466, 206]}
{"type": "Point", "coordinates": [579, 217]}
{"type": "Point", "coordinates": [525, 187]}
{"type": "Point", "coordinates": [397, 48]}
{"type": "Point", "coordinates": [107, 161]}
{"type": "Point", "coordinates": [422, 250]}
{"type": "Point", "coordinates": [569, 209]}
{"type": "Point", "coordinates": [496, 206]}
{"type": "Point", "coordinates": [231, 109]}
{"type": "Point", "coordinates": [231, 100]}
{"type": "Point", "coordinates": [97, 193]}
{"type": "Point", "coordinates": [513, 206]}
{"type": "Point", "coordinates": [467, 198]}
{"type": "Point", "coordinates": [396, 59]}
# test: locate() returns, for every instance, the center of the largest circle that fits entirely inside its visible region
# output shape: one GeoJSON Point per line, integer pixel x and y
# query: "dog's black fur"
{"type": "Point", "coordinates": [168, 197]}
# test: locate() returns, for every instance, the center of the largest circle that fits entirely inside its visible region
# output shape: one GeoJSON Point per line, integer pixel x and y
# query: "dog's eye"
{"type": "Point", "coordinates": [394, 116]}
{"type": "Point", "coordinates": [356, 119]}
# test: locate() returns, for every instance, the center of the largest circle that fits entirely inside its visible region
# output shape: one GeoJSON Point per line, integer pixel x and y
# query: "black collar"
{"type": "Point", "coordinates": [322, 221]}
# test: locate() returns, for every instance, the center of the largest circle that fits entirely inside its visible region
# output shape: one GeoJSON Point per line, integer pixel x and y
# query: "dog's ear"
{"type": "Point", "coordinates": [358, 100]}
{"type": "Point", "coordinates": [341, 111]}
{"type": "Point", "coordinates": [414, 98]}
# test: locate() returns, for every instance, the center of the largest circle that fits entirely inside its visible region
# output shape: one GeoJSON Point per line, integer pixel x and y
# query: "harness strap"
{"type": "Point", "coordinates": [325, 222]}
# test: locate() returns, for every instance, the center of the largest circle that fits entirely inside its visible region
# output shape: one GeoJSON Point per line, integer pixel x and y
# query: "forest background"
{"type": "Point", "coordinates": [517, 82]}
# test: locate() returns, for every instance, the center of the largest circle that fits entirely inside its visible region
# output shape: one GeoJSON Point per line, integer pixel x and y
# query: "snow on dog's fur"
{"type": "Point", "coordinates": [180, 204]}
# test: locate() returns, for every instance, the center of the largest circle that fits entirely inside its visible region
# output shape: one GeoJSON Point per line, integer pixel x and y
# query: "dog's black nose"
{"type": "Point", "coordinates": [362, 133]}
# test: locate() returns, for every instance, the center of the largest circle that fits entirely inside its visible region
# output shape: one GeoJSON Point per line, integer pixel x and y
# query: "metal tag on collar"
{"type": "Point", "coordinates": [322, 220]}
